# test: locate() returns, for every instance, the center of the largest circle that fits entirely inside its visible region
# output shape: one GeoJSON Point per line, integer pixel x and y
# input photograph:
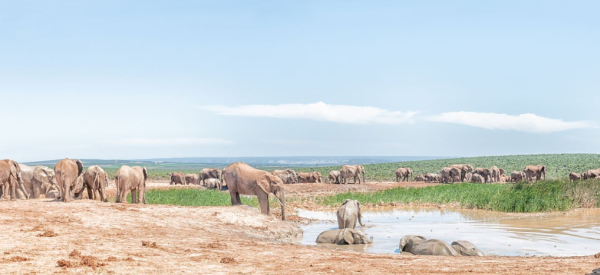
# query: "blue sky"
{"type": "Point", "coordinates": [141, 79]}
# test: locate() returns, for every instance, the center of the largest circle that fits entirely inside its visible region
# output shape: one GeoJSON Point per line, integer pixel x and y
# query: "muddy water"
{"type": "Point", "coordinates": [557, 234]}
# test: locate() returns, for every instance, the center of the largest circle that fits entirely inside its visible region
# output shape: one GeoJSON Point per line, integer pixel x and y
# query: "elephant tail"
{"type": "Point", "coordinates": [96, 184]}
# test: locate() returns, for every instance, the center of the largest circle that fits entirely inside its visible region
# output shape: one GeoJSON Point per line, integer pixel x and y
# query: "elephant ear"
{"type": "Point", "coordinates": [79, 167]}
{"type": "Point", "coordinates": [347, 235]}
{"type": "Point", "coordinates": [40, 174]}
{"type": "Point", "coordinates": [264, 185]}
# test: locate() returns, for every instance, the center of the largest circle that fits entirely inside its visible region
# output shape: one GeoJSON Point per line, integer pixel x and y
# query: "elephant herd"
{"type": "Point", "coordinates": [589, 174]}
{"type": "Point", "coordinates": [211, 178]}
{"type": "Point", "coordinates": [466, 173]}
{"type": "Point", "coordinates": [342, 176]}
{"type": "Point", "coordinates": [350, 211]}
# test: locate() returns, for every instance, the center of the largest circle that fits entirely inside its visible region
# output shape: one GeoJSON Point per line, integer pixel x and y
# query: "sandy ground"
{"type": "Point", "coordinates": [88, 237]}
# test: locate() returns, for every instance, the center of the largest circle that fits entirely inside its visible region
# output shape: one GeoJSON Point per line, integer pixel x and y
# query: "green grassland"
{"type": "Point", "coordinates": [542, 196]}
{"type": "Point", "coordinates": [558, 165]}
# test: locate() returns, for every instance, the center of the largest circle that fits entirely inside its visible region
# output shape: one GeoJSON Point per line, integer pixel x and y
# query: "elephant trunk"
{"type": "Point", "coordinates": [363, 177]}
{"type": "Point", "coordinates": [281, 197]}
{"type": "Point", "coordinates": [360, 219]}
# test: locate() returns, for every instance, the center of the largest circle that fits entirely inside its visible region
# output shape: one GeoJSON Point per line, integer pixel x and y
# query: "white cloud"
{"type": "Point", "coordinates": [522, 122]}
{"type": "Point", "coordinates": [144, 142]}
{"type": "Point", "coordinates": [318, 111]}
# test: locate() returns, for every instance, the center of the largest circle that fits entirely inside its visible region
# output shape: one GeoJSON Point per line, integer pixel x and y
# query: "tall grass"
{"type": "Point", "coordinates": [197, 197]}
{"type": "Point", "coordinates": [543, 196]}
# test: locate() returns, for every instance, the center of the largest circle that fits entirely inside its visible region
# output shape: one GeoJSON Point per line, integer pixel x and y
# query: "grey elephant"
{"type": "Point", "coordinates": [466, 248]}
{"type": "Point", "coordinates": [334, 176]}
{"type": "Point", "coordinates": [485, 172]}
{"type": "Point", "coordinates": [213, 183]}
{"type": "Point", "coordinates": [445, 175]}
{"type": "Point", "coordinates": [348, 213]}
{"type": "Point", "coordinates": [535, 172]}
{"type": "Point", "coordinates": [477, 178]}
{"type": "Point", "coordinates": [517, 176]}
{"type": "Point", "coordinates": [10, 179]}
{"type": "Point", "coordinates": [37, 180]}
{"type": "Point", "coordinates": [464, 169]}
{"type": "Point", "coordinates": [288, 176]}
{"type": "Point", "coordinates": [343, 237]}
{"type": "Point", "coordinates": [352, 171]}
{"type": "Point", "coordinates": [402, 174]}
{"type": "Point", "coordinates": [207, 173]}
{"type": "Point", "coordinates": [419, 245]}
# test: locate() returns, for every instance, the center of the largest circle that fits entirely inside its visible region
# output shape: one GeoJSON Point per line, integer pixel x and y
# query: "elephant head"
{"type": "Point", "coordinates": [273, 184]}
{"type": "Point", "coordinates": [361, 170]}
{"type": "Point", "coordinates": [352, 236]}
{"type": "Point", "coordinates": [407, 243]}
{"type": "Point", "coordinates": [45, 176]}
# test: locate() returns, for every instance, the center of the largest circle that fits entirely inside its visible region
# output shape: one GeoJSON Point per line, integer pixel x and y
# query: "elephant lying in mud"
{"type": "Point", "coordinates": [348, 213]}
{"type": "Point", "coordinates": [344, 236]}
{"type": "Point", "coordinates": [419, 245]}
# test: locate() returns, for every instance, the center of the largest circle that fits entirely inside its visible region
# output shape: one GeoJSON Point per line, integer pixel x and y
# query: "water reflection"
{"type": "Point", "coordinates": [557, 234]}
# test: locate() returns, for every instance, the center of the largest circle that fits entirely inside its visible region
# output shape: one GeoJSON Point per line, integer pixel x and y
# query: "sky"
{"type": "Point", "coordinates": [154, 79]}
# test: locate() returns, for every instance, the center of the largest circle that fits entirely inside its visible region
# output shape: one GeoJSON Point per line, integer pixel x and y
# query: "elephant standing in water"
{"type": "Point", "coordinates": [95, 180]}
{"type": "Point", "coordinates": [131, 179]}
{"type": "Point", "coordinates": [348, 213]}
{"type": "Point", "coordinates": [334, 176]}
{"type": "Point", "coordinates": [68, 173]}
{"type": "Point", "coordinates": [402, 174]}
{"type": "Point", "coordinates": [352, 171]}
{"type": "Point", "coordinates": [536, 171]}
{"type": "Point", "coordinates": [419, 245]}
{"type": "Point", "coordinates": [288, 176]}
{"type": "Point", "coordinates": [10, 178]}
{"type": "Point", "coordinates": [37, 180]}
{"type": "Point", "coordinates": [243, 179]}
{"type": "Point", "coordinates": [343, 236]}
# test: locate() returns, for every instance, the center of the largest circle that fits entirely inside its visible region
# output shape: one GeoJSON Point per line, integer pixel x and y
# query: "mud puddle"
{"type": "Point", "coordinates": [557, 234]}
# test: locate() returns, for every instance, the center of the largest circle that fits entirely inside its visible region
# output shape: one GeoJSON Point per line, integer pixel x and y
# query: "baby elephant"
{"type": "Point", "coordinates": [348, 213]}
{"type": "Point", "coordinates": [344, 236]}
{"type": "Point", "coordinates": [419, 245]}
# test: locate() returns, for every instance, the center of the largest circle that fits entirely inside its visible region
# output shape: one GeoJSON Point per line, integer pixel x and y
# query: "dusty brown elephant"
{"type": "Point", "coordinates": [517, 176]}
{"type": "Point", "coordinates": [495, 173]}
{"type": "Point", "coordinates": [464, 169]}
{"type": "Point", "coordinates": [591, 174]}
{"type": "Point", "coordinates": [446, 175]}
{"type": "Point", "coordinates": [37, 180]}
{"type": "Point", "coordinates": [477, 178]}
{"type": "Point", "coordinates": [535, 171]}
{"type": "Point", "coordinates": [310, 177]}
{"type": "Point", "coordinates": [207, 173]}
{"type": "Point", "coordinates": [95, 180]}
{"type": "Point", "coordinates": [419, 177]}
{"type": "Point", "coordinates": [243, 179]}
{"type": "Point", "coordinates": [288, 176]}
{"type": "Point", "coordinates": [191, 179]}
{"type": "Point", "coordinates": [402, 174]}
{"type": "Point", "coordinates": [177, 178]}
{"type": "Point", "coordinates": [431, 177]}
{"type": "Point", "coordinates": [574, 176]}
{"type": "Point", "coordinates": [486, 173]}
{"type": "Point", "coordinates": [348, 213]}
{"type": "Point", "coordinates": [213, 183]}
{"type": "Point", "coordinates": [131, 179]}
{"type": "Point", "coordinates": [334, 177]}
{"type": "Point", "coordinates": [10, 178]}
{"type": "Point", "coordinates": [352, 171]}
{"type": "Point", "coordinates": [67, 172]}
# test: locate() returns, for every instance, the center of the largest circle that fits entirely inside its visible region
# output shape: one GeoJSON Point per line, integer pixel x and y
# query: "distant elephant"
{"type": "Point", "coordinates": [495, 173]}
{"type": "Point", "coordinates": [517, 176]}
{"type": "Point", "coordinates": [464, 169]}
{"type": "Point", "coordinates": [430, 177]}
{"type": "Point", "coordinates": [95, 179]}
{"type": "Point", "coordinates": [10, 178]}
{"type": "Point", "coordinates": [288, 176]}
{"type": "Point", "coordinates": [574, 176]}
{"type": "Point", "coordinates": [348, 213]}
{"type": "Point", "coordinates": [309, 177]}
{"type": "Point", "coordinates": [37, 180]}
{"type": "Point", "coordinates": [177, 178]}
{"type": "Point", "coordinates": [502, 172]}
{"type": "Point", "coordinates": [68, 173]}
{"type": "Point", "coordinates": [591, 174]}
{"type": "Point", "coordinates": [418, 245]}
{"type": "Point", "coordinates": [486, 173]}
{"type": "Point", "coordinates": [468, 177]}
{"type": "Point", "coordinates": [535, 171]}
{"type": "Point", "coordinates": [445, 176]}
{"type": "Point", "coordinates": [208, 173]}
{"type": "Point", "coordinates": [419, 177]}
{"type": "Point", "coordinates": [191, 179]}
{"type": "Point", "coordinates": [504, 179]}
{"type": "Point", "coordinates": [343, 237]}
{"type": "Point", "coordinates": [466, 248]}
{"type": "Point", "coordinates": [131, 179]}
{"type": "Point", "coordinates": [213, 183]}
{"type": "Point", "coordinates": [334, 176]}
{"type": "Point", "coordinates": [242, 179]}
{"type": "Point", "coordinates": [477, 178]}
{"type": "Point", "coordinates": [402, 174]}
{"type": "Point", "coordinates": [352, 171]}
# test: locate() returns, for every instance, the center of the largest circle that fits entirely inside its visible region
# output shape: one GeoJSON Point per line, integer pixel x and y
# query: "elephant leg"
{"type": "Point", "coordinates": [101, 192]}
{"type": "Point", "coordinates": [263, 199]}
{"type": "Point", "coordinates": [13, 194]}
{"type": "Point", "coordinates": [135, 195]}
{"type": "Point", "coordinates": [142, 194]}
{"type": "Point", "coordinates": [91, 195]}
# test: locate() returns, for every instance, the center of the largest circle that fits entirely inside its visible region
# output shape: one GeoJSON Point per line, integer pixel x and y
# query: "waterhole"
{"type": "Point", "coordinates": [557, 234]}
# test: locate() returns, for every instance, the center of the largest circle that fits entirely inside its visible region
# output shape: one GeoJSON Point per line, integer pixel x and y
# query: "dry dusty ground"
{"type": "Point", "coordinates": [44, 236]}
